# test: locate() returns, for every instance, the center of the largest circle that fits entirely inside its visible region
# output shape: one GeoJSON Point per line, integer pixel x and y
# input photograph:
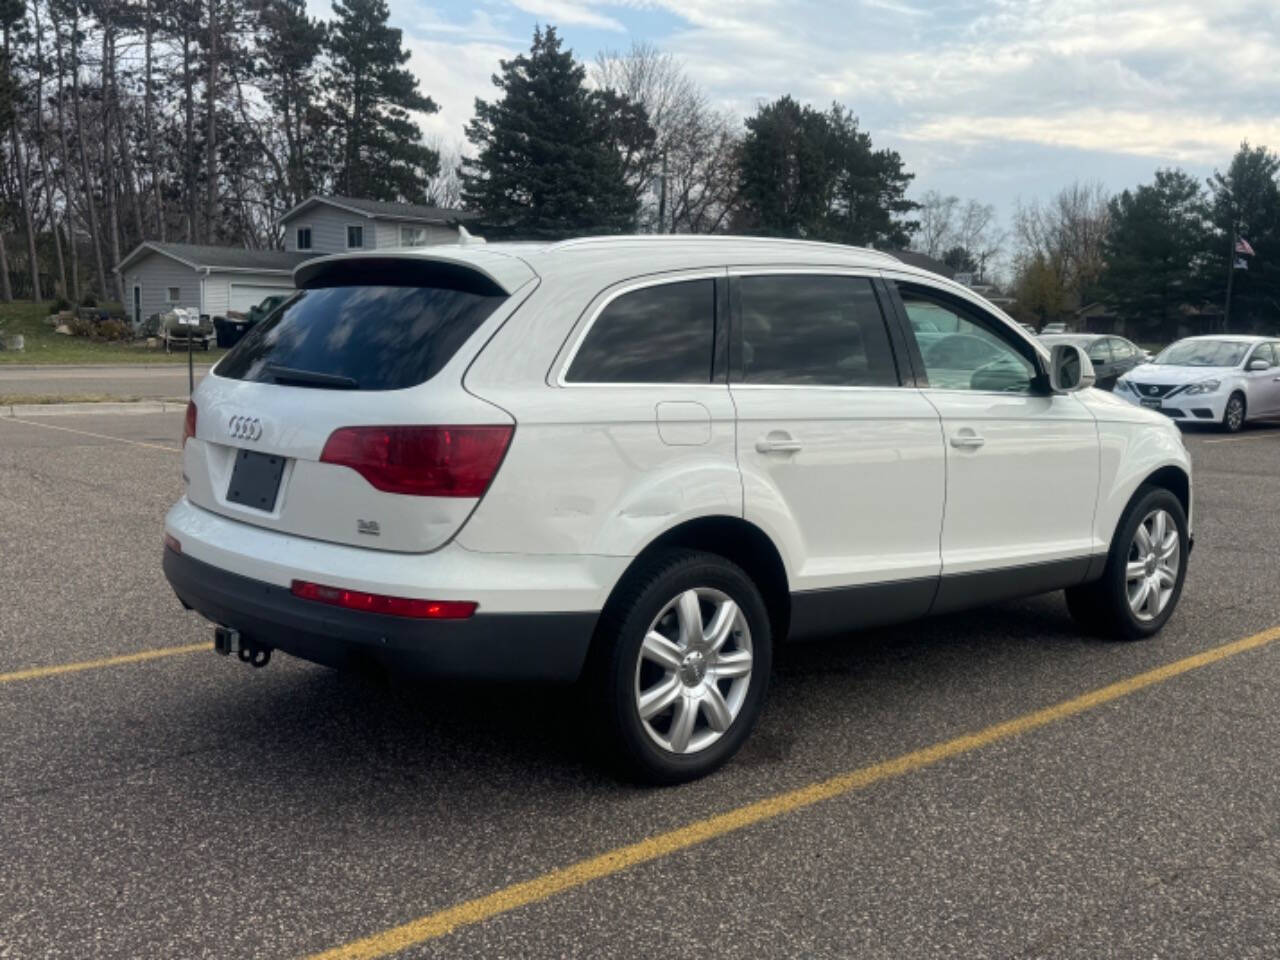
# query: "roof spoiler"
{"type": "Point", "coordinates": [459, 268]}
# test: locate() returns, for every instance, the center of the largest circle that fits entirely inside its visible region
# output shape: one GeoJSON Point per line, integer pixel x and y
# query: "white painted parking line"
{"type": "Point", "coordinates": [89, 433]}
{"type": "Point", "coordinates": [1274, 435]}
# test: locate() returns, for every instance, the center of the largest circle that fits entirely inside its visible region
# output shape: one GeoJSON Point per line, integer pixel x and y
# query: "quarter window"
{"type": "Point", "coordinates": [658, 334]}
{"type": "Point", "coordinates": [355, 237]}
{"type": "Point", "coordinates": [964, 352]}
{"type": "Point", "coordinates": [813, 330]}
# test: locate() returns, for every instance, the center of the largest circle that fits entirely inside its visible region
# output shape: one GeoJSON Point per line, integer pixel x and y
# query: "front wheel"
{"type": "Point", "coordinates": [1146, 567]}
{"type": "Point", "coordinates": [684, 653]}
{"type": "Point", "coordinates": [1234, 414]}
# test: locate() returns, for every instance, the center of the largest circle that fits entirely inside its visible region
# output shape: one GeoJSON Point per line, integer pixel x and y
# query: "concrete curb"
{"type": "Point", "coordinates": [80, 409]}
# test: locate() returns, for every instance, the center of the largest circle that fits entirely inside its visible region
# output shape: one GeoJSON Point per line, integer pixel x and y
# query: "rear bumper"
{"type": "Point", "coordinates": [549, 647]}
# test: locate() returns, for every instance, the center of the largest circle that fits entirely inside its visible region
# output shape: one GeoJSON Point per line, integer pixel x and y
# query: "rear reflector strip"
{"type": "Point", "coordinates": [172, 543]}
{"type": "Point", "coordinates": [378, 603]}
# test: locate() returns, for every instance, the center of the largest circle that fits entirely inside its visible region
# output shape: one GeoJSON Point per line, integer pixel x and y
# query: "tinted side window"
{"type": "Point", "coordinates": [822, 331]}
{"type": "Point", "coordinates": [964, 353]}
{"type": "Point", "coordinates": [372, 337]}
{"type": "Point", "coordinates": [1100, 351]}
{"type": "Point", "coordinates": [659, 334]}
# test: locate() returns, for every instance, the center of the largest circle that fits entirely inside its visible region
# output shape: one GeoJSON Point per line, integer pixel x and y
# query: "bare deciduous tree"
{"type": "Point", "coordinates": [688, 183]}
{"type": "Point", "coordinates": [1067, 235]}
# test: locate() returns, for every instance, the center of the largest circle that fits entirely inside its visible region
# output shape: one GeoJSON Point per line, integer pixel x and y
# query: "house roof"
{"type": "Point", "coordinates": [924, 262]}
{"type": "Point", "coordinates": [202, 256]}
{"type": "Point", "coordinates": [385, 210]}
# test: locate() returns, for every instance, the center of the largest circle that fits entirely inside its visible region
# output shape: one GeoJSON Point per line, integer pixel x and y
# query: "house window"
{"type": "Point", "coordinates": [304, 238]}
{"type": "Point", "coordinates": [355, 237]}
{"type": "Point", "coordinates": [173, 295]}
{"type": "Point", "coordinates": [411, 236]}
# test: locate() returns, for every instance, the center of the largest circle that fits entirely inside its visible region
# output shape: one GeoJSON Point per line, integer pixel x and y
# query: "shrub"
{"type": "Point", "coordinates": [60, 304]}
{"type": "Point", "coordinates": [82, 325]}
{"type": "Point", "coordinates": [89, 300]}
{"type": "Point", "coordinates": [112, 329]}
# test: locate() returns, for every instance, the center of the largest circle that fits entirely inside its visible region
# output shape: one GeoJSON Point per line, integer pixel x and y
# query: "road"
{"type": "Point", "coordinates": [127, 381]}
{"type": "Point", "coordinates": [189, 806]}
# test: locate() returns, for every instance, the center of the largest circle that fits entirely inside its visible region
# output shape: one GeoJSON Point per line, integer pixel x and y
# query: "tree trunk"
{"type": "Point", "coordinates": [64, 156]}
{"type": "Point", "coordinates": [108, 166]}
{"type": "Point", "coordinates": [189, 126]}
{"type": "Point", "coordinates": [148, 114]}
{"type": "Point", "coordinates": [6, 290]}
{"type": "Point", "coordinates": [90, 209]}
{"type": "Point", "coordinates": [23, 195]}
{"type": "Point", "coordinates": [211, 146]}
{"type": "Point", "coordinates": [41, 149]}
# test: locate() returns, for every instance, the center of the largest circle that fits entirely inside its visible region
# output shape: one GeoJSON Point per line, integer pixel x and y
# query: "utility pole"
{"type": "Point", "coordinates": [1231, 275]}
{"type": "Point", "coordinates": [662, 195]}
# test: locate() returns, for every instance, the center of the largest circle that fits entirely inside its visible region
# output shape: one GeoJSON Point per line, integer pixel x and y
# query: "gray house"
{"type": "Point", "coordinates": [160, 276]}
{"type": "Point", "coordinates": [322, 225]}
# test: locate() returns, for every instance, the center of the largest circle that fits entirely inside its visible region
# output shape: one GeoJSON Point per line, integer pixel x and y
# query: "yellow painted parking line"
{"type": "Point", "coordinates": [89, 433]}
{"type": "Point", "coordinates": [37, 673]}
{"type": "Point", "coordinates": [471, 912]}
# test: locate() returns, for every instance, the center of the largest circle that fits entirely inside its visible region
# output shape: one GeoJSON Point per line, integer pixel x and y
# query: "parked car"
{"type": "Point", "coordinates": [261, 310]}
{"type": "Point", "coordinates": [174, 327]}
{"type": "Point", "coordinates": [1227, 380]}
{"type": "Point", "coordinates": [1055, 327]}
{"type": "Point", "coordinates": [642, 462]}
{"type": "Point", "coordinates": [1111, 356]}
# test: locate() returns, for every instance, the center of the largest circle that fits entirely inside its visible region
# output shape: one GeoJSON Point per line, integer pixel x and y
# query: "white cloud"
{"type": "Point", "coordinates": [568, 13]}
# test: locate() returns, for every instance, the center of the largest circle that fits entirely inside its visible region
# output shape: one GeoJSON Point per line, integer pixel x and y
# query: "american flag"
{"type": "Point", "coordinates": [1242, 246]}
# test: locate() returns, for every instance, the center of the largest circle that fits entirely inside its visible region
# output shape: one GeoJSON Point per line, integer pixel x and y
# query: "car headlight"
{"type": "Point", "coordinates": [1204, 386]}
{"type": "Point", "coordinates": [1123, 384]}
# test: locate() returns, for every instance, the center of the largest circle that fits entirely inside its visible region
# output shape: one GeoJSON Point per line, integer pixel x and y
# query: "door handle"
{"type": "Point", "coordinates": [767, 445]}
{"type": "Point", "coordinates": [970, 441]}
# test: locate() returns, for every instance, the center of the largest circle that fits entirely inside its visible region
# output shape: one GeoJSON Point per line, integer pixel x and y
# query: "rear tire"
{"type": "Point", "coordinates": [1146, 567]}
{"type": "Point", "coordinates": [681, 662]}
{"type": "Point", "coordinates": [1233, 416]}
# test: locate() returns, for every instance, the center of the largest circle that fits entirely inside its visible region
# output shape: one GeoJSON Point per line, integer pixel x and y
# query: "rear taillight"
{"type": "Point", "coordinates": [189, 423]}
{"type": "Point", "coordinates": [422, 461]}
{"type": "Point", "coordinates": [378, 603]}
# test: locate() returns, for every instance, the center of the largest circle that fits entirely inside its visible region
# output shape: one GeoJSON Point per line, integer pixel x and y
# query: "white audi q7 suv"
{"type": "Point", "coordinates": [639, 463]}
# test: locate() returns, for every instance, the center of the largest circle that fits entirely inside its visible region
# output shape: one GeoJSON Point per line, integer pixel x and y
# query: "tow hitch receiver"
{"type": "Point", "coordinates": [227, 641]}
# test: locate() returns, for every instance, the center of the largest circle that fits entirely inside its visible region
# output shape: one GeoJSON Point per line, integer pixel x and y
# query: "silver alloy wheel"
{"type": "Point", "coordinates": [1152, 570]}
{"type": "Point", "coordinates": [693, 671]}
{"type": "Point", "coordinates": [1235, 413]}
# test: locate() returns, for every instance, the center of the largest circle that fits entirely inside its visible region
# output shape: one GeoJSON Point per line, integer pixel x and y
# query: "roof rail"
{"type": "Point", "coordinates": [711, 238]}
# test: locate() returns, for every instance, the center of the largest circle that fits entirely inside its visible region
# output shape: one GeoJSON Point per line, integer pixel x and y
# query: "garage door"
{"type": "Point", "coordinates": [246, 295]}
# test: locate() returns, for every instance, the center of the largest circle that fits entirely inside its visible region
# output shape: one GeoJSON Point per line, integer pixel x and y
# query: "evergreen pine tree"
{"type": "Point", "coordinates": [548, 162]}
{"type": "Point", "coordinates": [370, 95]}
{"type": "Point", "coordinates": [1158, 243]}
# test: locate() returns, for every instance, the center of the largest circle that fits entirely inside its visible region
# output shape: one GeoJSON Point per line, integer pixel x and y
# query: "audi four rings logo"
{"type": "Point", "coordinates": [245, 428]}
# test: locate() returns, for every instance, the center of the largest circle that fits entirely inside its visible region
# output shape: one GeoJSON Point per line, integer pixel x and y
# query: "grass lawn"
{"type": "Point", "coordinates": [45, 346]}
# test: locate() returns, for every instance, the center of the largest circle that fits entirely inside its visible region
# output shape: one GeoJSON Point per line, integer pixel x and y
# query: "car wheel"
{"type": "Point", "coordinates": [1146, 567]}
{"type": "Point", "coordinates": [1233, 416]}
{"type": "Point", "coordinates": [683, 653]}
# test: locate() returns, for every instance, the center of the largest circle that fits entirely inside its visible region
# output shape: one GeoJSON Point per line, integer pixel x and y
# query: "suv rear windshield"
{"type": "Point", "coordinates": [360, 337]}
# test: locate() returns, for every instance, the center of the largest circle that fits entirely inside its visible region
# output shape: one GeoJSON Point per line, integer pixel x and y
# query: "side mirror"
{"type": "Point", "coordinates": [1258, 365]}
{"type": "Point", "coordinates": [1069, 369]}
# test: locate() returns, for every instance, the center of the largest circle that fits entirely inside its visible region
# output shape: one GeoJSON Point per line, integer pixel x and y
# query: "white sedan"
{"type": "Point", "coordinates": [1215, 379]}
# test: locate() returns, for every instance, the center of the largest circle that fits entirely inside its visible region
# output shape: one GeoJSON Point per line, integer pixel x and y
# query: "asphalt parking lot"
{"type": "Point", "coordinates": [185, 805]}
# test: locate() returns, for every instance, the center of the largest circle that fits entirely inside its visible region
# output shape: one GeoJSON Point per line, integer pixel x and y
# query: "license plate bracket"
{"type": "Point", "coordinates": [255, 479]}
{"type": "Point", "coordinates": [1153, 404]}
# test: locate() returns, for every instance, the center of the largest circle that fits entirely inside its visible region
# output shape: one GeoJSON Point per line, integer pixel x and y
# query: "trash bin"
{"type": "Point", "coordinates": [229, 332]}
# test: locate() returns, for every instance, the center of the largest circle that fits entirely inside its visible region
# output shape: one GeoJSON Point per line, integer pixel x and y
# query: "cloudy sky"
{"type": "Point", "coordinates": [993, 99]}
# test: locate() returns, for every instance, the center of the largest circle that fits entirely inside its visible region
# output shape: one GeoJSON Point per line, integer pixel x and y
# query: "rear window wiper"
{"type": "Point", "coordinates": [289, 377]}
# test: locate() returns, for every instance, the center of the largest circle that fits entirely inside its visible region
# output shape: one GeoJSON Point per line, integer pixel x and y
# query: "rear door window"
{"type": "Point", "coordinates": [812, 330]}
{"type": "Point", "coordinates": [360, 337]}
{"type": "Point", "coordinates": [659, 334]}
